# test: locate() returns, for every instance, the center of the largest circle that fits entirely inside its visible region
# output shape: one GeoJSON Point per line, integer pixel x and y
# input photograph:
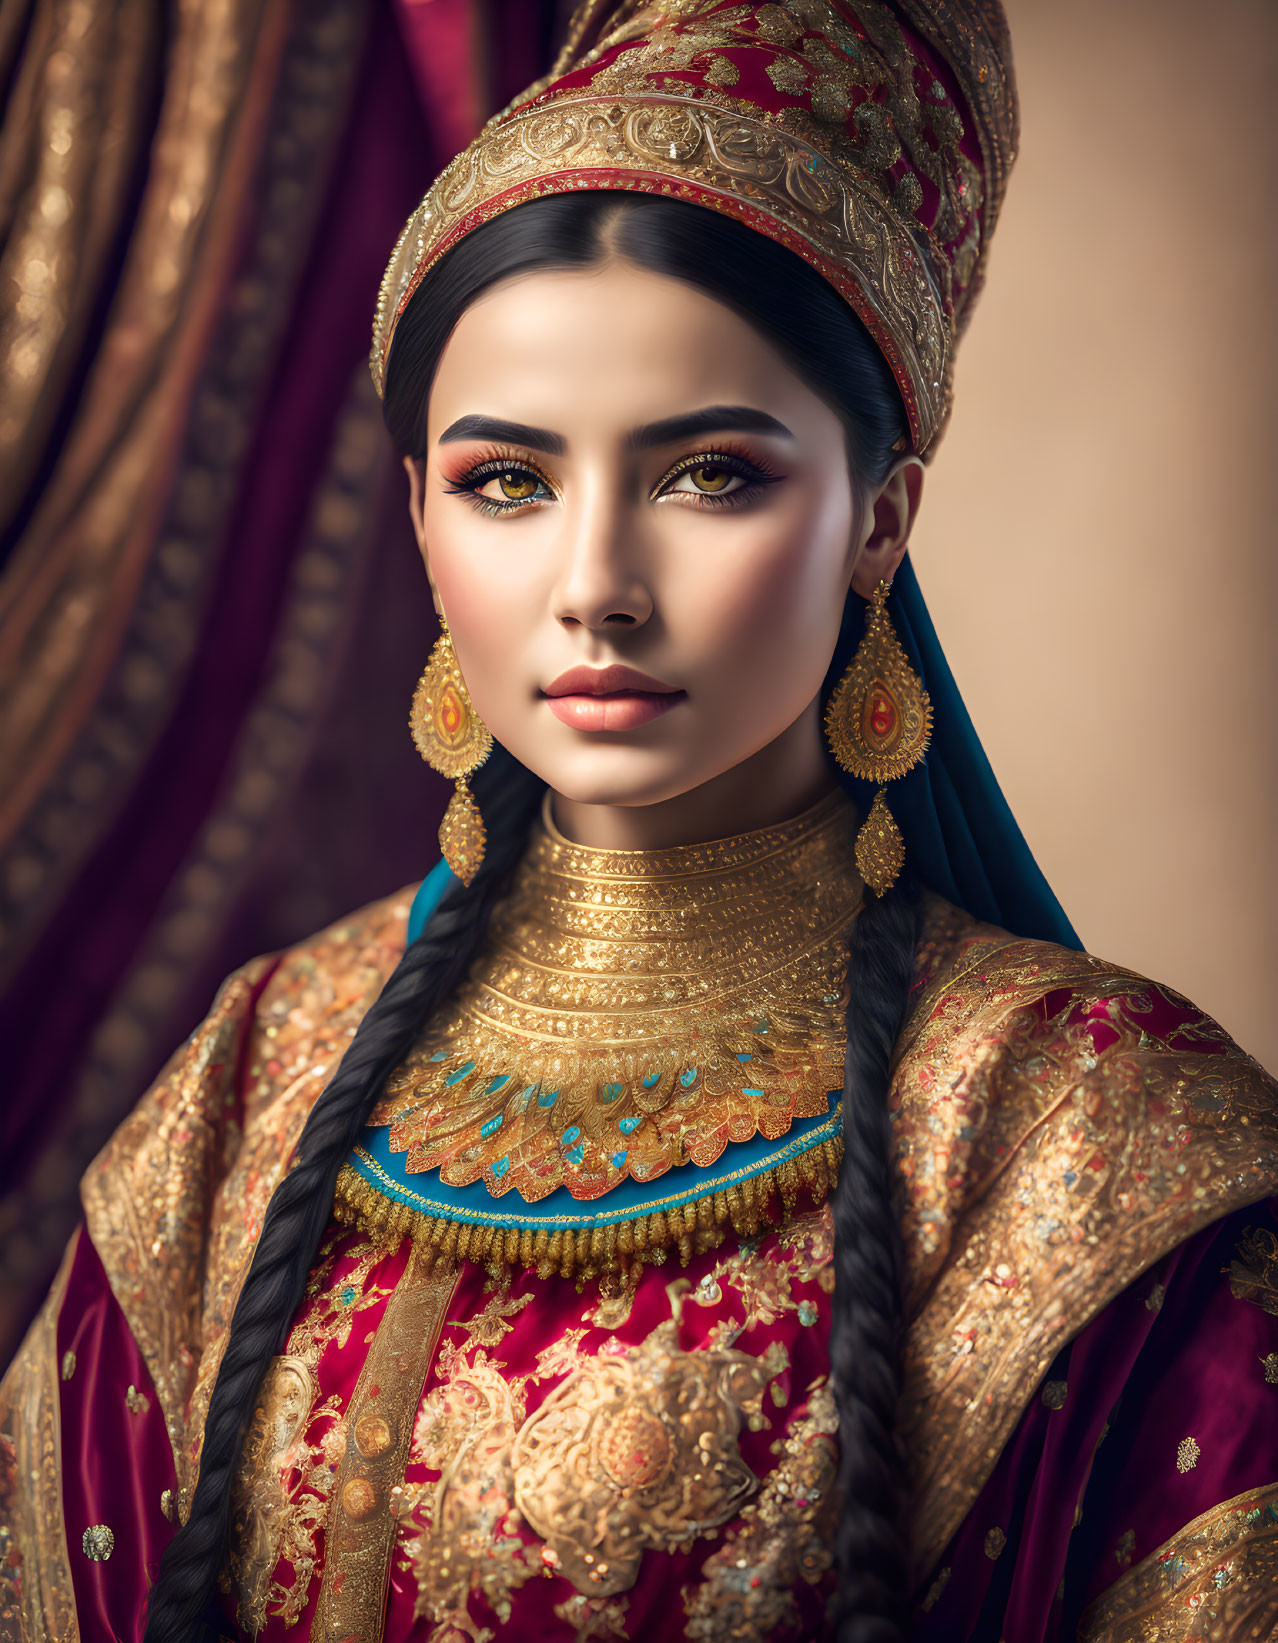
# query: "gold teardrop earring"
{"type": "Point", "coordinates": [878, 722]}
{"type": "Point", "coordinates": [454, 740]}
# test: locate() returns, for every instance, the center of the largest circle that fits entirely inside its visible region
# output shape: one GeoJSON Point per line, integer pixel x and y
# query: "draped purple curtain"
{"type": "Point", "coordinates": [211, 611]}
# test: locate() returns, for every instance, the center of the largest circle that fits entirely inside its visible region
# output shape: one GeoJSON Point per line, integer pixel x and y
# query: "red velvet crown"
{"type": "Point", "coordinates": [871, 137]}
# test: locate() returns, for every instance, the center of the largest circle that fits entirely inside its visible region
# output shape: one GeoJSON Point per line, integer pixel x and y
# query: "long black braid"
{"type": "Point", "coordinates": [301, 1206]}
{"type": "Point", "coordinates": [865, 1325]}
{"type": "Point", "coordinates": [832, 351]}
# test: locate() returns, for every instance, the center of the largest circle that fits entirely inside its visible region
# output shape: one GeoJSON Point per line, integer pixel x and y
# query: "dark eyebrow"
{"type": "Point", "coordinates": [715, 419]}
{"type": "Point", "coordinates": [508, 433]}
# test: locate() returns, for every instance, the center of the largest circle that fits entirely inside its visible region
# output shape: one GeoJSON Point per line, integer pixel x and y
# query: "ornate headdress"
{"type": "Point", "coordinates": [872, 137]}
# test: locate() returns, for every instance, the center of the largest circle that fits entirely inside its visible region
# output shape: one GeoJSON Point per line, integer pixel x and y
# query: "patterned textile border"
{"type": "Point", "coordinates": [1217, 1578]}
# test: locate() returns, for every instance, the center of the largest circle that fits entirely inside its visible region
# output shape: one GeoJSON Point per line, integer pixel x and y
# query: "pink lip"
{"type": "Point", "coordinates": [610, 698]}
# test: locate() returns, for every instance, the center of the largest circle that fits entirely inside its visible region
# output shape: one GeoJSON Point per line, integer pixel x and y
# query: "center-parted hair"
{"type": "Point", "coordinates": [830, 349]}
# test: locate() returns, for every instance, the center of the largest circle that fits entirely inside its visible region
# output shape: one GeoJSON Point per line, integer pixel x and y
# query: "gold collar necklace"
{"type": "Point", "coordinates": [631, 1011]}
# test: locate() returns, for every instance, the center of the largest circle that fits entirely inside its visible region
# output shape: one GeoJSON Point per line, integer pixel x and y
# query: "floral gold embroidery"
{"type": "Point", "coordinates": [288, 1466]}
{"type": "Point", "coordinates": [137, 1402]}
{"type": "Point", "coordinates": [261, 1510]}
{"type": "Point", "coordinates": [37, 1598]}
{"type": "Point", "coordinates": [1058, 1126]}
{"type": "Point", "coordinates": [491, 1325]}
{"type": "Point", "coordinates": [68, 1364]}
{"type": "Point", "coordinates": [1125, 1549]}
{"type": "Point", "coordinates": [334, 1307]}
{"type": "Point", "coordinates": [466, 1527]}
{"type": "Point", "coordinates": [1154, 1300]}
{"type": "Point", "coordinates": [1054, 1394]}
{"type": "Point", "coordinates": [762, 1272]}
{"type": "Point", "coordinates": [97, 1543]}
{"type": "Point", "coordinates": [612, 1309]}
{"type": "Point", "coordinates": [562, 1355]}
{"type": "Point", "coordinates": [1269, 1364]}
{"type": "Point", "coordinates": [746, 1591]}
{"type": "Point", "coordinates": [1187, 1453]}
{"type": "Point", "coordinates": [636, 1450]}
{"type": "Point", "coordinates": [1253, 1272]}
{"type": "Point", "coordinates": [995, 1541]}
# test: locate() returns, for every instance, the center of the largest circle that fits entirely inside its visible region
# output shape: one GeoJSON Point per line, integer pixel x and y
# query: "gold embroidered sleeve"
{"type": "Point", "coordinates": [174, 1203]}
{"type": "Point", "coordinates": [1060, 1125]}
{"type": "Point", "coordinates": [1217, 1578]}
{"type": "Point", "coordinates": [146, 1196]}
{"type": "Point", "coordinates": [37, 1604]}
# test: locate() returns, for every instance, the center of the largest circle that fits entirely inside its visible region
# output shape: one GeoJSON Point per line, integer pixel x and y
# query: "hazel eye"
{"type": "Point", "coordinates": [517, 484]}
{"type": "Point", "coordinates": [708, 479]}
{"type": "Point", "coordinates": [501, 486]}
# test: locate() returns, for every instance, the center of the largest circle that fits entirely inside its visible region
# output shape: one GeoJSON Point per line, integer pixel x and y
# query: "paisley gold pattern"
{"type": "Point", "coordinates": [1217, 1578]}
{"type": "Point", "coordinates": [656, 102]}
{"type": "Point", "coordinates": [632, 1010]}
{"type": "Point", "coordinates": [638, 1450]}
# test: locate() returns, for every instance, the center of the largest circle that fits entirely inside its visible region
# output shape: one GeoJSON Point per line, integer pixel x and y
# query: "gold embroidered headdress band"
{"type": "Point", "coordinates": [871, 137]}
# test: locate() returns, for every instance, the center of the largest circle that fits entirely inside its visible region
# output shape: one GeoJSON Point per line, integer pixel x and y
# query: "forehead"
{"type": "Point", "coordinates": [604, 347]}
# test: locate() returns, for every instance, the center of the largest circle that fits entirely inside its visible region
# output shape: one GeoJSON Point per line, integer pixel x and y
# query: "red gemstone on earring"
{"type": "Point", "coordinates": [882, 714]}
{"type": "Point", "coordinates": [450, 714]}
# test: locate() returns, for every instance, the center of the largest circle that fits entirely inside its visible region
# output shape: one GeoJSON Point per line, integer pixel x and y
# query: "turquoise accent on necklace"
{"type": "Point", "coordinates": [559, 1211]}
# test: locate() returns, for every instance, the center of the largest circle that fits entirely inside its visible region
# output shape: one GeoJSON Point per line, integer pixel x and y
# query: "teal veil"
{"type": "Point", "coordinates": [961, 838]}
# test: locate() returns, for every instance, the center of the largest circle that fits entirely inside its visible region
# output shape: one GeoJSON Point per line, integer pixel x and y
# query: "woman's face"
{"type": "Point", "coordinates": [641, 527]}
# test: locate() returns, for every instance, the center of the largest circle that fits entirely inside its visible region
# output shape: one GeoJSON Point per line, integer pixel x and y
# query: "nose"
{"type": "Point", "coordinates": [602, 583]}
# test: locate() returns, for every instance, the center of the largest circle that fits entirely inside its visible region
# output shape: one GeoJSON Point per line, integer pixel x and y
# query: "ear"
{"type": "Point", "coordinates": [416, 471]}
{"type": "Point", "coordinates": [415, 468]}
{"type": "Point", "coordinates": [889, 520]}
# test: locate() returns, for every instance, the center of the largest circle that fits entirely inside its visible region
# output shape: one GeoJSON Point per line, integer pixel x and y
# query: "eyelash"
{"type": "Point", "coordinates": [753, 473]}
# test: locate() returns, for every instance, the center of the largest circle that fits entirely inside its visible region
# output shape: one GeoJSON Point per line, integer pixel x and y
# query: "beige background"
{"type": "Point", "coordinates": [1097, 542]}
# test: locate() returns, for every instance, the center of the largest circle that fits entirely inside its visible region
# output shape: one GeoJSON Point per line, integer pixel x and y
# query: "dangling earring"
{"type": "Point", "coordinates": [879, 722]}
{"type": "Point", "coordinates": [454, 740]}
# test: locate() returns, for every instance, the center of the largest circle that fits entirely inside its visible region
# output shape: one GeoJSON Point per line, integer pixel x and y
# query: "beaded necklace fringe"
{"type": "Point", "coordinates": [623, 1248]}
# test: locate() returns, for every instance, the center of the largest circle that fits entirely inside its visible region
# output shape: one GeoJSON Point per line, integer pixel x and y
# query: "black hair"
{"type": "Point", "coordinates": [830, 348]}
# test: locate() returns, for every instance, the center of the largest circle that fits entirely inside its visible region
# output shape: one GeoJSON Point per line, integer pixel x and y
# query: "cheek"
{"type": "Point", "coordinates": [779, 588]}
{"type": "Point", "coordinates": [489, 588]}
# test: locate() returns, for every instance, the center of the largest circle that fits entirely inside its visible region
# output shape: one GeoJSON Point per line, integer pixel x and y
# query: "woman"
{"type": "Point", "coordinates": [739, 1210]}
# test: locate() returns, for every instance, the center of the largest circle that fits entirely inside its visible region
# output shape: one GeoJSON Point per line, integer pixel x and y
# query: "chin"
{"type": "Point", "coordinates": [612, 775]}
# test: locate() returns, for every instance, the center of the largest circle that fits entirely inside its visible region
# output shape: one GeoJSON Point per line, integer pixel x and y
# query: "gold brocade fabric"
{"type": "Point", "coordinates": [873, 138]}
{"type": "Point", "coordinates": [1217, 1578]}
{"type": "Point", "coordinates": [633, 1010]}
{"type": "Point", "coordinates": [1060, 1124]}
